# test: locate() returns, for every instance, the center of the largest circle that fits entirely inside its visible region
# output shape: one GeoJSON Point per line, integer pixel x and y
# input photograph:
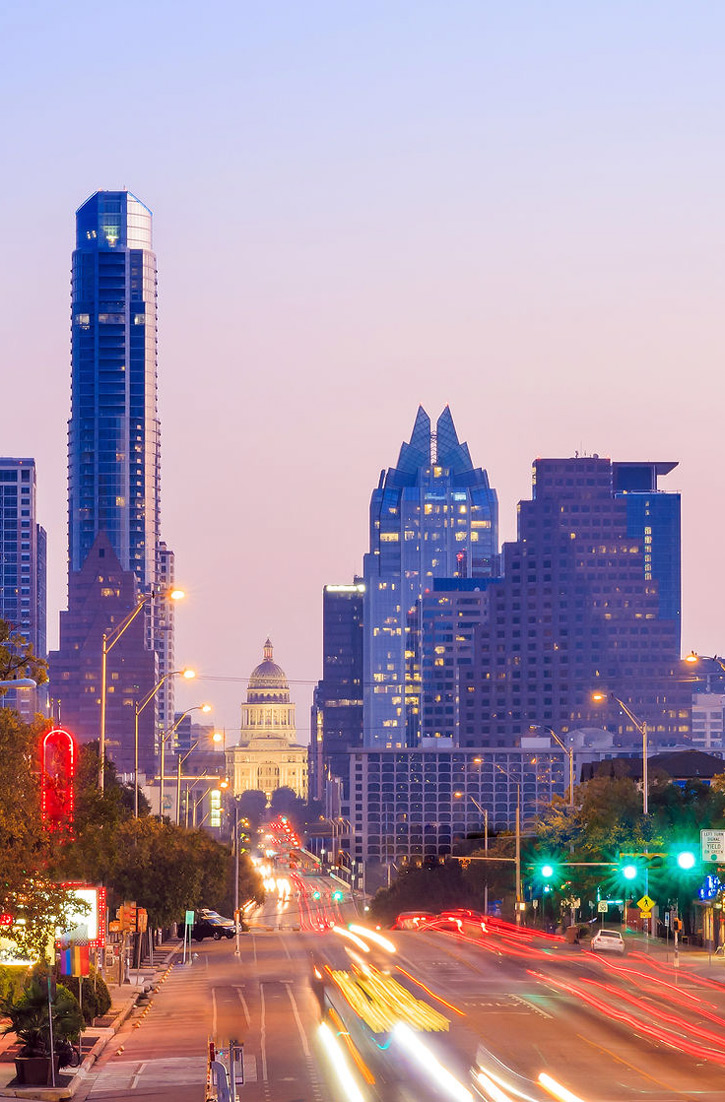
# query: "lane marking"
{"type": "Point", "coordinates": [284, 943]}
{"type": "Point", "coordinates": [263, 1033]}
{"type": "Point", "coordinates": [531, 1005]}
{"type": "Point", "coordinates": [136, 1076]}
{"type": "Point", "coordinates": [245, 1008]}
{"type": "Point", "coordinates": [295, 1011]}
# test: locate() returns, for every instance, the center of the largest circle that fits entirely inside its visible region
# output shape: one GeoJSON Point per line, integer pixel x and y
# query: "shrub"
{"type": "Point", "coordinates": [96, 1000]}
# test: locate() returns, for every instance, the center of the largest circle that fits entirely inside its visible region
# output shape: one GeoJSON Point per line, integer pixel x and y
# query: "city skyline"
{"type": "Point", "coordinates": [478, 211]}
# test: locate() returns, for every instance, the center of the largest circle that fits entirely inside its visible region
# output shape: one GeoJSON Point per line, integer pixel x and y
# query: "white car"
{"type": "Point", "coordinates": [607, 941]}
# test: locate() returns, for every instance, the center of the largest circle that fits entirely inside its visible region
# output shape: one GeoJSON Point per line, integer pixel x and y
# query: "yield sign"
{"type": "Point", "coordinates": [646, 903]}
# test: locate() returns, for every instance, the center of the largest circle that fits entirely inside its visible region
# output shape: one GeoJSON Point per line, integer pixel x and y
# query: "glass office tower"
{"type": "Point", "coordinates": [22, 572]}
{"type": "Point", "coordinates": [113, 434]}
{"type": "Point", "coordinates": [434, 515]}
{"type": "Point", "coordinates": [114, 452]}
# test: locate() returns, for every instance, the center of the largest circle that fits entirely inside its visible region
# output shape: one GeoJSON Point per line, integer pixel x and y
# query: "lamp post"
{"type": "Point", "coordinates": [517, 858]}
{"type": "Point", "coordinates": [641, 726]}
{"type": "Point", "coordinates": [694, 657]}
{"type": "Point", "coordinates": [567, 750]}
{"type": "Point", "coordinates": [484, 812]}
{"type": "Point", "coordinates": [167, 735]}
{"type": "Point", "coordinates": [138, 708]}
{"type": "Point", "coordinates": [108, 642]}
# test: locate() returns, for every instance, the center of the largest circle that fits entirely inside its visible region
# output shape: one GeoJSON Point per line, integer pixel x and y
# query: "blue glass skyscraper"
{"type": "Point", "coordinates": [434, 515]}
{"type": "Point", "coordinates": [114, 450]}
{"type": "Point", "coordinates": [114, 438]}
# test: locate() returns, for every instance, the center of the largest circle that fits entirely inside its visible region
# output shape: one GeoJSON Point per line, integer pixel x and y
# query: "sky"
{"type": "Point", "coordinates": [514, 209]}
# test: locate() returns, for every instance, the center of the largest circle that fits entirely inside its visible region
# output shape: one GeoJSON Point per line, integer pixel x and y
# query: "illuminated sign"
{"type": "Point", "coordinates": [58, 771]}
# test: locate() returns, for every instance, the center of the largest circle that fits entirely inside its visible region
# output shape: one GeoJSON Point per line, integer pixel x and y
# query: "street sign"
{"type": "Point", "coordinates": [646, 903]}
{"type": "Point", "coordinates": [667, 918]}
{"type": "Point", "coordinates": [602, 906]}
{"type": "Point", "coordinates": [712, 845]}
{"type": "Point", "coordinates": [189, 918]}
{"type": "Point", "coordinates": [646, 915]}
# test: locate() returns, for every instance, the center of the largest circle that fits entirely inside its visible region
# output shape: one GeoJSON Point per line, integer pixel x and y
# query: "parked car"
{"type": "Point", "coordinates": [211, 924]}
{"type": "Point", "coordinates": [607, 941]}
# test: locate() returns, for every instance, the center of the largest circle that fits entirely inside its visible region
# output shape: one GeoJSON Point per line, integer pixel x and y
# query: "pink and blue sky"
{"type": "Point", "coordinates": [516, 209]}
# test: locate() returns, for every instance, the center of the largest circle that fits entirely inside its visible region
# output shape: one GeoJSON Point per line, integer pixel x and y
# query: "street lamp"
{"type": "Point", "coordinates": [694, 657]}
{"type": "Point", "coordinates": [19, 683]}
{"type": "Point", "coordinates": [641, 726]}
{"type": "Point", "coordinates": [484, 812]}
{"type": "Point", "coordinates": [567, 750]}
{"type": "Point", "coordinates": [109, 640]}
{"type": "Point", "coordinates": [167, 735]}
{"type": "Point", "coordinates": [138, 708]}
{"type": "Point", "coordinates": [517, 858]}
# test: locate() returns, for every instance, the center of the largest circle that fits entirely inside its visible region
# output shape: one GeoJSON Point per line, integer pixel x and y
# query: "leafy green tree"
{"type": "Point", "coordinates": [28, 852]}
{"type": "Point", "coordinates": [431, 888]}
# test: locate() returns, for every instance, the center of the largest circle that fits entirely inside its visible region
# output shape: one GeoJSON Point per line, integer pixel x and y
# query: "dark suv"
{"type": "Point", "coordinates": [211, 924]}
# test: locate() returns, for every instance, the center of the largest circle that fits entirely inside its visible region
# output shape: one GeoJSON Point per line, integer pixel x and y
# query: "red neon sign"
{"type": "Point", "coordinates": [58, 770]}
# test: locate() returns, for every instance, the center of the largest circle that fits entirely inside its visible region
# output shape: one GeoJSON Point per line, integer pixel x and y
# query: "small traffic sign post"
{"type": "Point", "coordinates": [646, 903]}
{"type": "Point", "coordinates": [603, 906]}
{"type": "Point", "coordinates": [712, 846]}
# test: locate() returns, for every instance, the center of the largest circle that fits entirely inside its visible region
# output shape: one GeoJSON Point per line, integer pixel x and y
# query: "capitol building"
{"type": "Point", "coordinates": [268, 757]}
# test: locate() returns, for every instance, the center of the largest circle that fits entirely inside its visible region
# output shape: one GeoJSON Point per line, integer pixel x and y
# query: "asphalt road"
{"type": "Point", "coordinates": [607, 1030]}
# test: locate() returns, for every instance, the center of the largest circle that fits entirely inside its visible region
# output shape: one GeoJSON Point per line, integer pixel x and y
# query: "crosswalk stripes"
{"type": "Point", "coordinates": [130, 1075]}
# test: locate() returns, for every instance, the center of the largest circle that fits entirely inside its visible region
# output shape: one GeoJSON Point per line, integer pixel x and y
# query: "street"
{"type": "Point", "coordinates": [504, 1006]}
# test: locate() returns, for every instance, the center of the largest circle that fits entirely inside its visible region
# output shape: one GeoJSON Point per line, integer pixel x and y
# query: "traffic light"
{"type": "Point", "coordinates": [316, 895]}
{"type": "Point", "coordinates": [629, 871]}
{"type": "Point", "coordinates": [337, 896]}
{"type": "Point", "coordinates": [687, 859]}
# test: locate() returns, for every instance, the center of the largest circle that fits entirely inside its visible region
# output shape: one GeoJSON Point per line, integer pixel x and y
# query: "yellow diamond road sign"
{"type": "Point", "coordinates": [645, 903]}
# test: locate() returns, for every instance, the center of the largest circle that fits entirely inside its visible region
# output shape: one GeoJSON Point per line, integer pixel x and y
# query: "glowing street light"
{"type": "Point", "coordinates": [641, 726]}
{"type": "Point", "coordinates": [108, 642]}
{"type": "Point", "coordinates": [186, 673]}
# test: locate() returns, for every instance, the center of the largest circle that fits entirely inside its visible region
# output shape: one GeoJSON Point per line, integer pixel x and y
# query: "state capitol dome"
{"type": "Point", "coordinates": [268, 756]}
{"type": "Point", "coordinates": [268, 682]}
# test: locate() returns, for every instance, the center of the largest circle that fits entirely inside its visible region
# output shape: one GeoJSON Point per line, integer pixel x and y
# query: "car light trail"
{"type": "Point", "coordinates": [660, 1035]}
{"type": "Point", "coordinates": [557, 1090]}
{"type": "Point", "coordinates": [492, 1089]}
{"type": "Point", "coordinates": [340, 1065]}
{"type": "Point", "coordinates": [448, 1083]}
{"type": "Point", "coordinates": [373, 935]}
{"type": "Point", "coordinates": [351, 937]}
{"type": "Point", "coordinates": [431, 993]}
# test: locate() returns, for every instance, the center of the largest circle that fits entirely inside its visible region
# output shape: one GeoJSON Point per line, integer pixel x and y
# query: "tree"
{"type": "Point", "coordinates": [17, 658]}
{"type": "Point", "coordinates": [28, 852]}
{"type": "Point", "coordinates": [432, 888]}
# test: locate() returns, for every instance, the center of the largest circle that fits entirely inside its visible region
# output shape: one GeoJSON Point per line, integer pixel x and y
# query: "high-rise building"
{"type": "Point", "coordinates": [579, 609]}
{"type": "Point", "coordinates": [101, 594]}
{"type": "Point", "coordinates": [449, 617]}
{"type": "Point", "coordinates": [22, 571]}
{"type": "Point", "coordinates": [336, 723]}
{"type": "Point", "coordinates": [114, 456]}
{"type": "Point", "coordinates": [433, 515]}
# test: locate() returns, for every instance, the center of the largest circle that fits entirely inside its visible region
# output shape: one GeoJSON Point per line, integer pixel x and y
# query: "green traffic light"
{"type": "Point", "coordinates": [337, 896]}
{"type": "Point", "coordinates": [686, 859]}
{"type": "Point", "coordinates": [547, 871]}
{"type": "Point", "coordinates": [629, 872]}
{"type": "Point", "coordinates": [316, 895]}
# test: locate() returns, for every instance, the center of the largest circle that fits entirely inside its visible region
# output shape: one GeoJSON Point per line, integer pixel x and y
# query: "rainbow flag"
{"type": "Point", "coordinates": [74, 961]}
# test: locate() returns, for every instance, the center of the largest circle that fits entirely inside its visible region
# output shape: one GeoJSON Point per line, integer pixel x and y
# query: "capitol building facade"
{"type": "Point", "coordinates": [268, 757]}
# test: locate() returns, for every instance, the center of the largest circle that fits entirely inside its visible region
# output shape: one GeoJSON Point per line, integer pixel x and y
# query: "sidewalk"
{"type": "Point", "coordinates": [95, 1038]}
